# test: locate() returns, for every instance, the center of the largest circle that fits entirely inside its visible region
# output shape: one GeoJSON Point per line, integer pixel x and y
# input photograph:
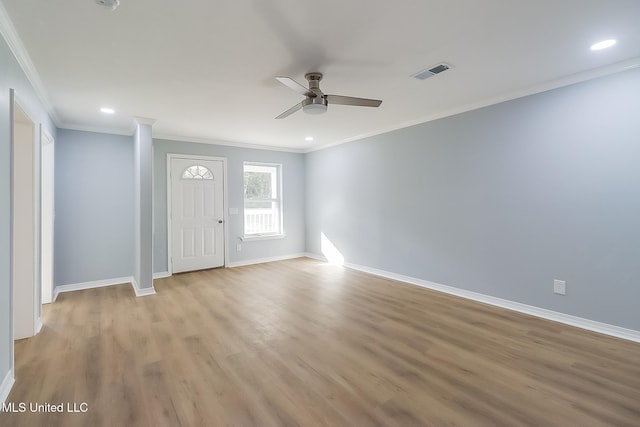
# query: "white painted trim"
{"type": "Point", "coordinates": [263, 260]}
{"type": "Point", "coordinates": [8, 31]}
{"type": "Point", "coordinates": [196, 140]}
{"type": "Point", "coordinates": [258, 237]}
{"type": "Point", "coordinates": [315, 256]}
{"type": "Point", "coordinates": [36, 302]}
{"type": "Point", "coordinates": [90, 285]}
{"type": "Point", "coordinates": [47, 140]}
{"type": "Point", "coordinates": [142, 292]}
{"type": "Point", "coordinates": [144, 121]}
{"type": "Point", "coordinates": [225, 203]}
{"type": "Point", "coordinates": [531, 90]}
{"type": "Point", "coordinates": [161, 275]}
{"type": "Point", "coordinates": [579, 322]}
{"type": "Point", "coordinates": [6, 385]}
{"type": "Point", "coordinates": [12, 98]}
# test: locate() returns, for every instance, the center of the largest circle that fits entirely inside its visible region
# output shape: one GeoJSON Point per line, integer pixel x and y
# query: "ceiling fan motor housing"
{"type": "Point", "coordinates": [314, 82]}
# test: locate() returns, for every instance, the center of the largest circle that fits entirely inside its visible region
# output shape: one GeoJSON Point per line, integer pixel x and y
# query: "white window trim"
{"type": "Point", "coordinates": [266, 236]}
{"type": "Point", "coordinates": [253, 237]}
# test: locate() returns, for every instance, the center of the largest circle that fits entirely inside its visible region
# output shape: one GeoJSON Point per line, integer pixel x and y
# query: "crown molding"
{"type": "Point", "coordinates": [579, 77]}
{"type": "Point", "coordinates": [95, 129]}
{"type": "Point", "coordinates": [8, 31]}
{"type": "Point", "coordinates": [197, 140]}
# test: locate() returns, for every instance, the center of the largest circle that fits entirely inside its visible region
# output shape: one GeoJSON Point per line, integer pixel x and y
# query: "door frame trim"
{"type": "Point", "coordinates": [17, 101]}
{"type": "Point", "coordinates": [225, 214]}
{"type": "Point", "coordinates": [44, 134]}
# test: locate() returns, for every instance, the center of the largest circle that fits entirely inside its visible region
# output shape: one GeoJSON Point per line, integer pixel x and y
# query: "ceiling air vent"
{"type": "Point", "coordinates": [430, 72]}
{"type": "Point", "coordinates": [111, 4]}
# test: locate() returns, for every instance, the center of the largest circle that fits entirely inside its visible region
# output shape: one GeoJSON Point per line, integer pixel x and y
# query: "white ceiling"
{"type": "Point", "coordinates": [205, 69]}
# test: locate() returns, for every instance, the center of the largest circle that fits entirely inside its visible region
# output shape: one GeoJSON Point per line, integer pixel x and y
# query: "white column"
{"type": "Point", "coordinates": [143, 210]}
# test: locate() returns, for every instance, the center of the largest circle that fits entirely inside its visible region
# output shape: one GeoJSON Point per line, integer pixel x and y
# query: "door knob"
{"type": "Point", "coordinates": [219, 221]}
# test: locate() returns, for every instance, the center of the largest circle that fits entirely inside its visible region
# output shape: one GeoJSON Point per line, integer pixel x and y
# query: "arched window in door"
{"type": "Point", "coordinates": [197, 172]}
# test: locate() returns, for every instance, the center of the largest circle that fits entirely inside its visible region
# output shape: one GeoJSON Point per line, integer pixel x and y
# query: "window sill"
{"type": "Point", "coordinates": [255, 237]}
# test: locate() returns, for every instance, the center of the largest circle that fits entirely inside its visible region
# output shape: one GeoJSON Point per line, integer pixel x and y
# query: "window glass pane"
{"type": "Point", "coordinates": [197, 172]}
{"type": "Point", "coordinates": [258, 185]}
{"type": "Point", "coordinates": [262, 204]}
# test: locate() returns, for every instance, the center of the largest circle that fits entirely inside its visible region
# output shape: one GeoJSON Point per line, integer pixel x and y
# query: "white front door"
{"type": "Point", "coordinates": [197, 212]}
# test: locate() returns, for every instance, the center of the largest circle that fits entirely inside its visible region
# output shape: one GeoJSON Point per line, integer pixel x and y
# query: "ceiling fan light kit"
{"type": "Point", "coordinates": [317, 105]}
{"type": "Point", "coordinates": [316, 102]}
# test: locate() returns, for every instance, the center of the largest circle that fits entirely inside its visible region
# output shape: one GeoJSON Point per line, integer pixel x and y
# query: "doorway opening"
{"type": "Point", "coordinates": [25, 225]}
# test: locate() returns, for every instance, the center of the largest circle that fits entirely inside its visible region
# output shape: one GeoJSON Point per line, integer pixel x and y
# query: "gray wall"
{"type": "Point", "coordinates": [11, 77]}
{"type": "Point", "coordinates": [293, 199]}
{"type": "Point", "coordinates": [94, 207]}
{"type": "Point", "coordinates": [500, 200]}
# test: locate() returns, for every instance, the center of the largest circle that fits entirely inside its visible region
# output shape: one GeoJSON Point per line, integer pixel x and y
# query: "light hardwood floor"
{"type": "Point", "coordinates": [302, 343]}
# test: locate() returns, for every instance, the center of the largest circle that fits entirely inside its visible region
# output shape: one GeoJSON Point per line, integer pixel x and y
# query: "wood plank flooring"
{"type": "Point", "coordinates": [302, 343]}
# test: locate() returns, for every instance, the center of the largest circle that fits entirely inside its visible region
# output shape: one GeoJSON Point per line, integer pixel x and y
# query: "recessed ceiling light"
{"type": "Point", "coordinates": [107, 110]}
{"type": "Point", "coordinates": [603, 44]}
{"type": "Point", "coordinates": [308, 138]}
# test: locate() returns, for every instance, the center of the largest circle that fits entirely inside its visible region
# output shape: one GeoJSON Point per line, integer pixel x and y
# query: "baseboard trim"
{"type": "Point", "coordinates": [264, 260]}
{"type": "Point", "coordinates": [6, 386]}
{"type": "Point", "coordinates": [315, 256]}
{"type": "Point", "coordinates": [161, 275]}
{"type": "Point", "coordinates": [579, 322]}
{"type": "Point", "coordinates": [90, 285]}
{"type": "Point", "coordinates": [142, 292]}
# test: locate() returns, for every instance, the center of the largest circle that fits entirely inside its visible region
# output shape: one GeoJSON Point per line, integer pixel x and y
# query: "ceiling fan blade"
{"type": "Point", "coordinates": [292, 84]}
{"type": "Point", "coordinates": [290, 111]}
{"type": "Point", "coordinates": [349, 100]}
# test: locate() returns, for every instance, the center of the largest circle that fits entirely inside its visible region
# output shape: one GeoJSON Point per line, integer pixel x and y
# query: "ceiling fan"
{"type": "Point", "coordinates": [315, 101]}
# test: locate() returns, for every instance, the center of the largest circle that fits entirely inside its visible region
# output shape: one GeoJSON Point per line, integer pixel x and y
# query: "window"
{"type": "Point", "coordinates": [197, 172]}
{"type": "Point", "coordinates": [262, 199]}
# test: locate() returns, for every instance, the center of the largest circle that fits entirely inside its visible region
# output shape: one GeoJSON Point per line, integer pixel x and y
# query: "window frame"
{"type": "Point", "coordinates": [278, 201]}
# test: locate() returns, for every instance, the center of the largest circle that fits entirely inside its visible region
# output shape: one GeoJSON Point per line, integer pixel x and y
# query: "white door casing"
{"type": "Point", "coordinates": [25, 225]}
{"type": "Point", "coordinates": [196, 214]}
{"type": "Point", "coordinates": [47, 212]}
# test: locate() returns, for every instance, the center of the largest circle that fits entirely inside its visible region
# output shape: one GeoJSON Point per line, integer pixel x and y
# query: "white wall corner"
{"type": "Point", "coordinates": [142, 292]}
{"type": "Point", "coordinates": [6, 385]}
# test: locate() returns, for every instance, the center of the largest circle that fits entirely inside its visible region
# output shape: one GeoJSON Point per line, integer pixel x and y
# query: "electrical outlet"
{"type": "Point", "coordinates": [560, 287]}
{"type": "Point", "coordinates": [239, 247]}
